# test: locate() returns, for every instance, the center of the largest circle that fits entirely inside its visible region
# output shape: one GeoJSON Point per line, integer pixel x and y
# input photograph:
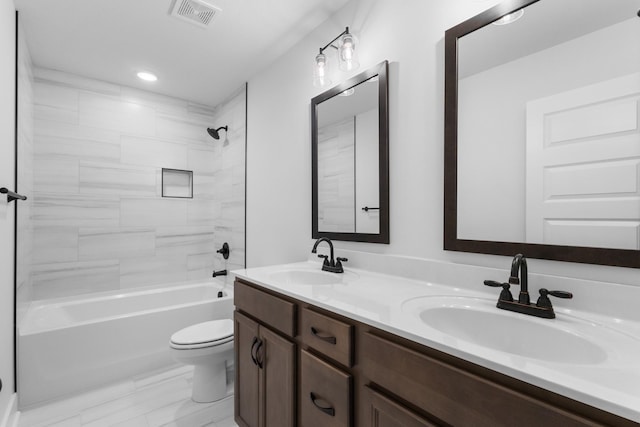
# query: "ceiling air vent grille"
{"type": "Point", "coordinates": [195, 11]}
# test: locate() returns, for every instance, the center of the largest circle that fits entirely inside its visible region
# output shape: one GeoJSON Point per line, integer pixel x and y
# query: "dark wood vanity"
{"type": "Point", "coordinates": [300, 365]}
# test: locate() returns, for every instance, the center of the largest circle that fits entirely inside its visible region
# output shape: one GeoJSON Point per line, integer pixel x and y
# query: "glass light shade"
{"type": "Point", "coordinates": [321, 71]}
{"type": "Point", "coordinates": [347, 53]}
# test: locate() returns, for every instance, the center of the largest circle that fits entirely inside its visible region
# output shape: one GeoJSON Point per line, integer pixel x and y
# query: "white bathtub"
{"type": "Point", "coordinates": [68, 345]}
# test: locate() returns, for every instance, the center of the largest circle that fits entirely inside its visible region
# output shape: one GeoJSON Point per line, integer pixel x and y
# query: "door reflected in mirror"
{"type": "Point", "coordinates": [350, 159]}
{"type": "Point", "coordinates": [542, 136]}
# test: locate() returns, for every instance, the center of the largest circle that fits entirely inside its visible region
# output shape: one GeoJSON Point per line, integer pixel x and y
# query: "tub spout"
{"type": "Point", "coordinates": [219, 273]}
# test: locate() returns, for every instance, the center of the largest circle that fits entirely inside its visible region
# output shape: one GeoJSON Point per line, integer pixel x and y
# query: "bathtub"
{"type": "Point", "coordinates": [70, 345]}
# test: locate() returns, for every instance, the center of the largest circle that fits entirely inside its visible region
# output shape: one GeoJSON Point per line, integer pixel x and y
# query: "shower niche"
{"type": "Point", "coordinates": [177, 183]}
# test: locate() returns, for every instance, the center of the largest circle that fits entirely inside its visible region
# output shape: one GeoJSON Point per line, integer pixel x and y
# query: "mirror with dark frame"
{"type": "Point", "coordinates": [542, 131]}
{"type": "Point", "coordinates": [350, 159]}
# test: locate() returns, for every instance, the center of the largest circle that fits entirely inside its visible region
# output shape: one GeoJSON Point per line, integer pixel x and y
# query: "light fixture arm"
{"type": "Point", "coordinates": [346, 31]}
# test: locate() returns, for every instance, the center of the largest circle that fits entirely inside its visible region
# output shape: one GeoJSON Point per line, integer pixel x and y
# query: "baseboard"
{"type": "Point", "coordinates": [11, 415]}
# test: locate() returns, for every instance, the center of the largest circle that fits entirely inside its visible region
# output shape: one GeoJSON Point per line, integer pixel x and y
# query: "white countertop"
{"type": "Point", "coordinates": [385, 302]}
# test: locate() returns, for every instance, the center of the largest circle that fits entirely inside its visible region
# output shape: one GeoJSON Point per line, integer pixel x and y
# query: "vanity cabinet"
{"type": "Point", "coordinates": [265, 365]}
{"type": "Point", "coordinates": [334, 371]}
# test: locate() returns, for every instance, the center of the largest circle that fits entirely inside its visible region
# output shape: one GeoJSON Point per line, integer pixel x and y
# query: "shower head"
{"type": "Point", "coordinates": [214, 132]}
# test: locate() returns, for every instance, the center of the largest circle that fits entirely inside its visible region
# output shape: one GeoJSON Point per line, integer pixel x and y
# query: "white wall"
{"type": "Point", "coordinates": [411, 37]}
{"type": "Point", "coordinates": [7, 217]}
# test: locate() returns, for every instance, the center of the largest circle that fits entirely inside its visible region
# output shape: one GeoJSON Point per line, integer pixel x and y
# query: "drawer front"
{"type": "Point", "coordinates": [452, 395]}
{"type": "Point", "coordinates": [386, 412]}
{"type": "Point", "coordinates": [273, 311]}
{"type": "Point", "coordinates": [325, 394]}
{"type": "Point", "coordinates": [327, 335]}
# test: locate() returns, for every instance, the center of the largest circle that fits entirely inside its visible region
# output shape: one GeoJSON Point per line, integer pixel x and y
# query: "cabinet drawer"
{"type": "Point", "coordinates": [452, 395]}
{"type": "Point", "coordinates": [325, 394]}
{"type": "Point", "coordinates": [327, 335]}
{"type": "Point", "coordinates": [273, 311]}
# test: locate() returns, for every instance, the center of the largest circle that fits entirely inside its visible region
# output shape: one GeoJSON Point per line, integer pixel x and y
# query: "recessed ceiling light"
{"type": "Point", "coordinates": [146, 76]}
{"type": "Point", "coordinates": [510, 18]}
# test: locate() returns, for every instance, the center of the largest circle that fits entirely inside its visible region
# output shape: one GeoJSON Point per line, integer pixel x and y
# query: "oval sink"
{"type": "Point", "coordinates": [311, 277]}
{"type": "Point", "coordinates": [478, 321]}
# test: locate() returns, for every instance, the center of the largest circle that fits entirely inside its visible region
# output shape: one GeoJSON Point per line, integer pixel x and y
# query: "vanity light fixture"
{"type": "Point", "coordinates": [347, 58]}
{"type": "Point", "coordinates": [146, 76]}
{"type": "Point", "coordinates": [510, 18]}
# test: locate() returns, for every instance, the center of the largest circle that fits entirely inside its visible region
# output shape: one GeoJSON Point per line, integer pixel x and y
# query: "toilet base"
{"type": "Point", "coordinates": [209, 382]}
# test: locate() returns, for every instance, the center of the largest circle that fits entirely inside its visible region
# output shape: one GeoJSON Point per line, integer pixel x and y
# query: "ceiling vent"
{"type": "Point", "coordinates": [195, 11]}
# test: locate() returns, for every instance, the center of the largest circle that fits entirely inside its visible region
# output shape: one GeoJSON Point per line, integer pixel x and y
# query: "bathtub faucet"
{"type": "Point", "coordinates": [219, 273]}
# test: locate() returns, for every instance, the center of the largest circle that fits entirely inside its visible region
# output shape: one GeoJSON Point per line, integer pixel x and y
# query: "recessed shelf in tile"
{"type": "Point", "coordinates": [177, 183]}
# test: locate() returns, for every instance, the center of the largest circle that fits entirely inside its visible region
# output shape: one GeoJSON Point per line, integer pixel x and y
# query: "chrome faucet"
{"type": "Point", "coordinates": [542, 308]}
{"type": "Point", "coordinates": [329, 264]}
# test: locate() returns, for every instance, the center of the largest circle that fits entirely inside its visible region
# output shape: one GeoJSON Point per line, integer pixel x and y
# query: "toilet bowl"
{"type": "Point", "coordinates": [207, 346]}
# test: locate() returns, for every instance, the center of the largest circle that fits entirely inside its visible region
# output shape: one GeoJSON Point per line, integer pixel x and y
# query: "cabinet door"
{"type": "Point", "coordinates": [247, 386]}
{"type": "Point", "coordinates": [384, 412]}
{"type": "Point", "coordinates": [277, 357]}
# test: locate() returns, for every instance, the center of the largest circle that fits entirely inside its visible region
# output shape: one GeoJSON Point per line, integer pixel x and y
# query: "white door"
{"type": "Point", "coordinates": [583, 166]}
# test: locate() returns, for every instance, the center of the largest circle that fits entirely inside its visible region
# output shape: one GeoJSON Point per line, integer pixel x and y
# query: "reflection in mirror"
{"type": "Point", "coordinates": [350, 161]}
{"type": "Point", "coordinates": [547, 138]}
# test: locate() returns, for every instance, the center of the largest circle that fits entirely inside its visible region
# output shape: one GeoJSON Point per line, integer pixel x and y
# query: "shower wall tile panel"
{"type": "Point", "coordinates": [158, 212]}
{"type": "Point", "coordinates": [117, 179]}
{"type": "Point", "coordinates": [55, 244]}
{"type": "Point", "coordinates": [72, 278]}
{"type": "Point", "coordinates": [187, 240]}
{"type": "Point", "coordinates": [100, 220]}
{"type": "Point", "coordinates": [136, 272]}
{"type": "Point", "coordinates": [56, 174]}
{"type": "Point", "coordinates": [100, 243]}
{"type": "Point", "coordinates": [153, 152]}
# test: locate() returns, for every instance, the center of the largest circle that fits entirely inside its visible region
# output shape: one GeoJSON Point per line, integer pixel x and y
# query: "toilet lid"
{"type": "Point", "coordinates": [214, 330]}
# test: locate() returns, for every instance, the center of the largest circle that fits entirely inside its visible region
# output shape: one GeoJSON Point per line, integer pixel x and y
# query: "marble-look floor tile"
{"type": "Point", "coordinates": [54, 412]}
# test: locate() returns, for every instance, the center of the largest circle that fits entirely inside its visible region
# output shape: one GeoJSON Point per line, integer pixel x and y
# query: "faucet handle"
{"type": "Point", "coordinates": [505, 295]}
{"type": "Point", "coordinates": [544, 301]}
{"type": "Point", "coordinates": [326, 259]}
{"type": "Point", "coordinates": [342, 259]}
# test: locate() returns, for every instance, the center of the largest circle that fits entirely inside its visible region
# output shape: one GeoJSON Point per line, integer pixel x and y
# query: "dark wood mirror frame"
{"type": "Point", "coordinates": [588, 255]}
{"type": "Point", "coordinates": [381, 70]}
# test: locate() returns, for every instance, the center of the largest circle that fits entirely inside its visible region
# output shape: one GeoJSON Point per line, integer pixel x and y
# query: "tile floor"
{"type": "Point", "coordinates": [153, 400]}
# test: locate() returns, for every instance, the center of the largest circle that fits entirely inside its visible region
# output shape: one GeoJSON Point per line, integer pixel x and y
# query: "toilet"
{"type": "Point", "coordinates": [207, 346]}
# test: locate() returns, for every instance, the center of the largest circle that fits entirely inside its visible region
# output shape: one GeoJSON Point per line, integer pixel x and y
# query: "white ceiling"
{"type": "Point", "coordinates": [545, 24]}
{"type": "Point", "coordinates": [113, 39]}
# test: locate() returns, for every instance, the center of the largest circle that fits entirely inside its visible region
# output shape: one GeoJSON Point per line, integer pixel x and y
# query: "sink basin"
{"type": "Point", "coordinates": [479, 322]}
{"type": "Point", "coordinates": [311, 277]}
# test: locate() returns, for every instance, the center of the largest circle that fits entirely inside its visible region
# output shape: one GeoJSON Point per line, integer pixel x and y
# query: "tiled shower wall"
{"type": "Point", "coordinates": [100, 222]}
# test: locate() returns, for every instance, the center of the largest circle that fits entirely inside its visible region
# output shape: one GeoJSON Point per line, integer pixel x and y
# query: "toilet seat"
{"type": "Point", "coordinates": [202, 335]}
